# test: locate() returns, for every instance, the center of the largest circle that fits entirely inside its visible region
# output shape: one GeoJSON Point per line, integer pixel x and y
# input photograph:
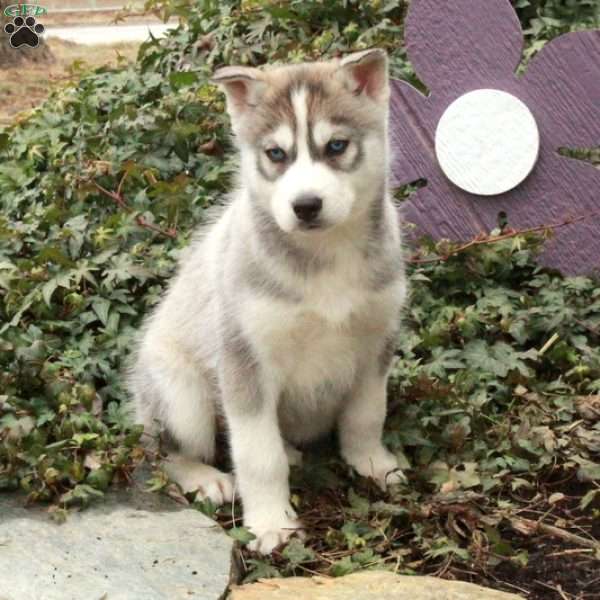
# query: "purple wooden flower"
{"type": "Point", "coordinates": [460, 46]}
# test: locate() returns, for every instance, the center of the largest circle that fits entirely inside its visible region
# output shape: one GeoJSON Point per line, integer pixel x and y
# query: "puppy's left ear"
{"type": "Point", "coordinates": [366, 73]}
{"type": "Point", "coordinates": [243, 87]}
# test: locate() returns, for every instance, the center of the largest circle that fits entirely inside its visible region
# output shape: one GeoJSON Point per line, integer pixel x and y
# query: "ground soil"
{"type": "Point", "coordinates": [555, 569]}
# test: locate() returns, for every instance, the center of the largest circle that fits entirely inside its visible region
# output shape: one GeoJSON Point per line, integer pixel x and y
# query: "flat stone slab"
{"type": "Point", "coordinates": [135, 545]}
{"type": "Point", "coordinates": [368, 585]}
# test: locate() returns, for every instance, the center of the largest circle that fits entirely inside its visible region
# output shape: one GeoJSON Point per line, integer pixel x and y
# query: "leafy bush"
{"type": "Point", "coordinates": [76, 268]}
{"type": "Point", "coordinates": [100, 188]}
{"type": "Point", "coordinates": [545, 19]}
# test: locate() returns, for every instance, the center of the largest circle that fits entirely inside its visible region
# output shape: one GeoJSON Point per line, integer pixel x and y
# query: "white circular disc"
{"type": "Point", "coordinates": [487, 142]}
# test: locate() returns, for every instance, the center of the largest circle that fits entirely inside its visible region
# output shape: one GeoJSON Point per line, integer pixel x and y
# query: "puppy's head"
{"type": "Point", "coordinates": [313, 137]}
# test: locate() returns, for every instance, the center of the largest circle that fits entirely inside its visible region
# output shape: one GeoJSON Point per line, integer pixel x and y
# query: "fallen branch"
{"type": "Point", "coordinates": [483, 239]}
{"type": "Point", "coordinates": [119, 200]}
{"type": "Point", "coordinates": [529, 527]}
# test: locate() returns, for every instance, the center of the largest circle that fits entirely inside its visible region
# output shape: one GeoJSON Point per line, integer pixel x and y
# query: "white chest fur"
{"type": "Point", "coordinates": [324, 337]}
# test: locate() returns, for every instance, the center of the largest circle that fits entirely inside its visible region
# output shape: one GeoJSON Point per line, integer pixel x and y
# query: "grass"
{"type": "Point", "coordinates": [25, 87]}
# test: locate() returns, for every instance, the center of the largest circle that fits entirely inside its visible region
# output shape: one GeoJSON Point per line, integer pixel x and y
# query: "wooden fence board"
{"type": "Point", "coordinates": [463, 45]}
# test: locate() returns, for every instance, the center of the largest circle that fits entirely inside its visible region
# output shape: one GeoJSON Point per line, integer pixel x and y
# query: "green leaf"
{"type": "Point", "coordinates": [82, 439]}
{"type": "Point", "coordinates": [99, 478]}
{"type": "Point", "coordinates": [81, 493]}
{"type": "Point", "coordinates": [260, 569]}
{"type": "Point", "coordinates": [342, 567]}
{"type": "Point", "coordinates": [297, 553]}
{"type": "Point", "coordinates": [101, 306]}
{"type": "Point", "coordinates": [182, 79]}
{"type": "Point", "coordinates": [589, 498]}
{"type": "Point", "coordinates": [241, 534]}
{"type": "Point", "coordinates": [589, 471]}
{"type": "Point", "coordinates": [48, 289]}
{"type": "Point", "coordinates": [360, 506]}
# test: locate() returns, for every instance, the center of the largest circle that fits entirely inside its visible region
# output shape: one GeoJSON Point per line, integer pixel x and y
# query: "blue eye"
{"type": "Point", "coordinates": [336, 147]}
{"type": "Point", "coordinates": [276, 154]}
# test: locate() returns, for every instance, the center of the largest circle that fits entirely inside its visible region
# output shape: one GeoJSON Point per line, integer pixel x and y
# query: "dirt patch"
{"type": "Point", "coordinates": [25, 87]}
{"type": "Point", "coordinates": [554, 571]}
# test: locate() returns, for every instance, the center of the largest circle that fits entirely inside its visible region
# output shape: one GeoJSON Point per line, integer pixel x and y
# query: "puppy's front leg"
{"type": "Point", "coordinates": [361, 428]}
{"type": "Point", "coordinates": [259, 458]}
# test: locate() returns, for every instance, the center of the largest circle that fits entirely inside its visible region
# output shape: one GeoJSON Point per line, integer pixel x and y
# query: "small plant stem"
{"type": "Point", "coordinates": [482, 239]}
{"type": "Point", "coordinates": [529, 527]}
{"type": "Point", "coordinates": [119, 200]}
{"type": "Point", "coordinates": [548, 344]}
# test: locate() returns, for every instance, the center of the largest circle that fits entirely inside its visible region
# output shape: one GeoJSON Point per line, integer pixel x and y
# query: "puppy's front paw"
{"type": "Point", "coordinates": [274, 532]}
{"type": "Point", "coordinates": [206, 481]}
{"type": "Point", "coordinates": [379, 464]}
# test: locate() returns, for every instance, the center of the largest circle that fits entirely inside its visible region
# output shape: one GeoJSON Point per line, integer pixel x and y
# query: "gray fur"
{"type": "Point", "coordinates": [387, 354]}
{"type": "Point", "coordinates": [260, 281]}
{"type": "Point", "coordinates": [377, 222]}
{"type": "Point", "coordinates": [276, 243]}
{"type": "Point", "coordinates": [239, 371]}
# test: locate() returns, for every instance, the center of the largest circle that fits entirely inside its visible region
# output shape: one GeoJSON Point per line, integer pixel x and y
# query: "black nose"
{"type": "Point", "coordinates": [307, 208]}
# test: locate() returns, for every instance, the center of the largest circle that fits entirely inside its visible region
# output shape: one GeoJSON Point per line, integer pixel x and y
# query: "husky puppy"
{"type": "Point", "coordinates": [284, 314]}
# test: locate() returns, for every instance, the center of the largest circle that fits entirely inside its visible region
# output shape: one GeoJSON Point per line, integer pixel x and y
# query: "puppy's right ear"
{"type": "Point", "coordinates": [366, 73]}
{"type": "Point", "coordinates": [243, 87]}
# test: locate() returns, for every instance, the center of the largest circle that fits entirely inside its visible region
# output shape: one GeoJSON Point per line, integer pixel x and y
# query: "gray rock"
{"type": "Point", "coordinates": [134, 546]}
{"type": "Point", "coordinates": [368, 585]}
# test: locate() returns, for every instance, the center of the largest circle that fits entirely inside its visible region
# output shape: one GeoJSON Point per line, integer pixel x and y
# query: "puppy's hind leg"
{"type": "Point", "coordinates": [179, 399]}
{"type": "Point", "coordinates": [361, 429]}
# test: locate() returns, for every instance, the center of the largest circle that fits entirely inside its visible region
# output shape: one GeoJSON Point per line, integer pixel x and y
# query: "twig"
{"type": "Point", "coordinates": [120, 188]}
{"type": "Point", "coordinates": [557, 589]}
{"type": "Point", "coordinates": [117, 198]}
{"type": "Point", "coordinates": [570, 551]}
{"type": "Point", "coordinates": [483, 239]}
{"type": "Point", "coordinates": [548, 344]}
{"type": "Point", "coordinates": [511, 585]}
{"type": "Point", "coordinates": [445, 566]}
{"type": "Point", "coordinates": [529, 527]}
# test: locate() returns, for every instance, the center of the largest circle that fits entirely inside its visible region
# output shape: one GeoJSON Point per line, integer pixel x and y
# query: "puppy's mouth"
{"type": "Point", "coordinates": [311, 225]}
